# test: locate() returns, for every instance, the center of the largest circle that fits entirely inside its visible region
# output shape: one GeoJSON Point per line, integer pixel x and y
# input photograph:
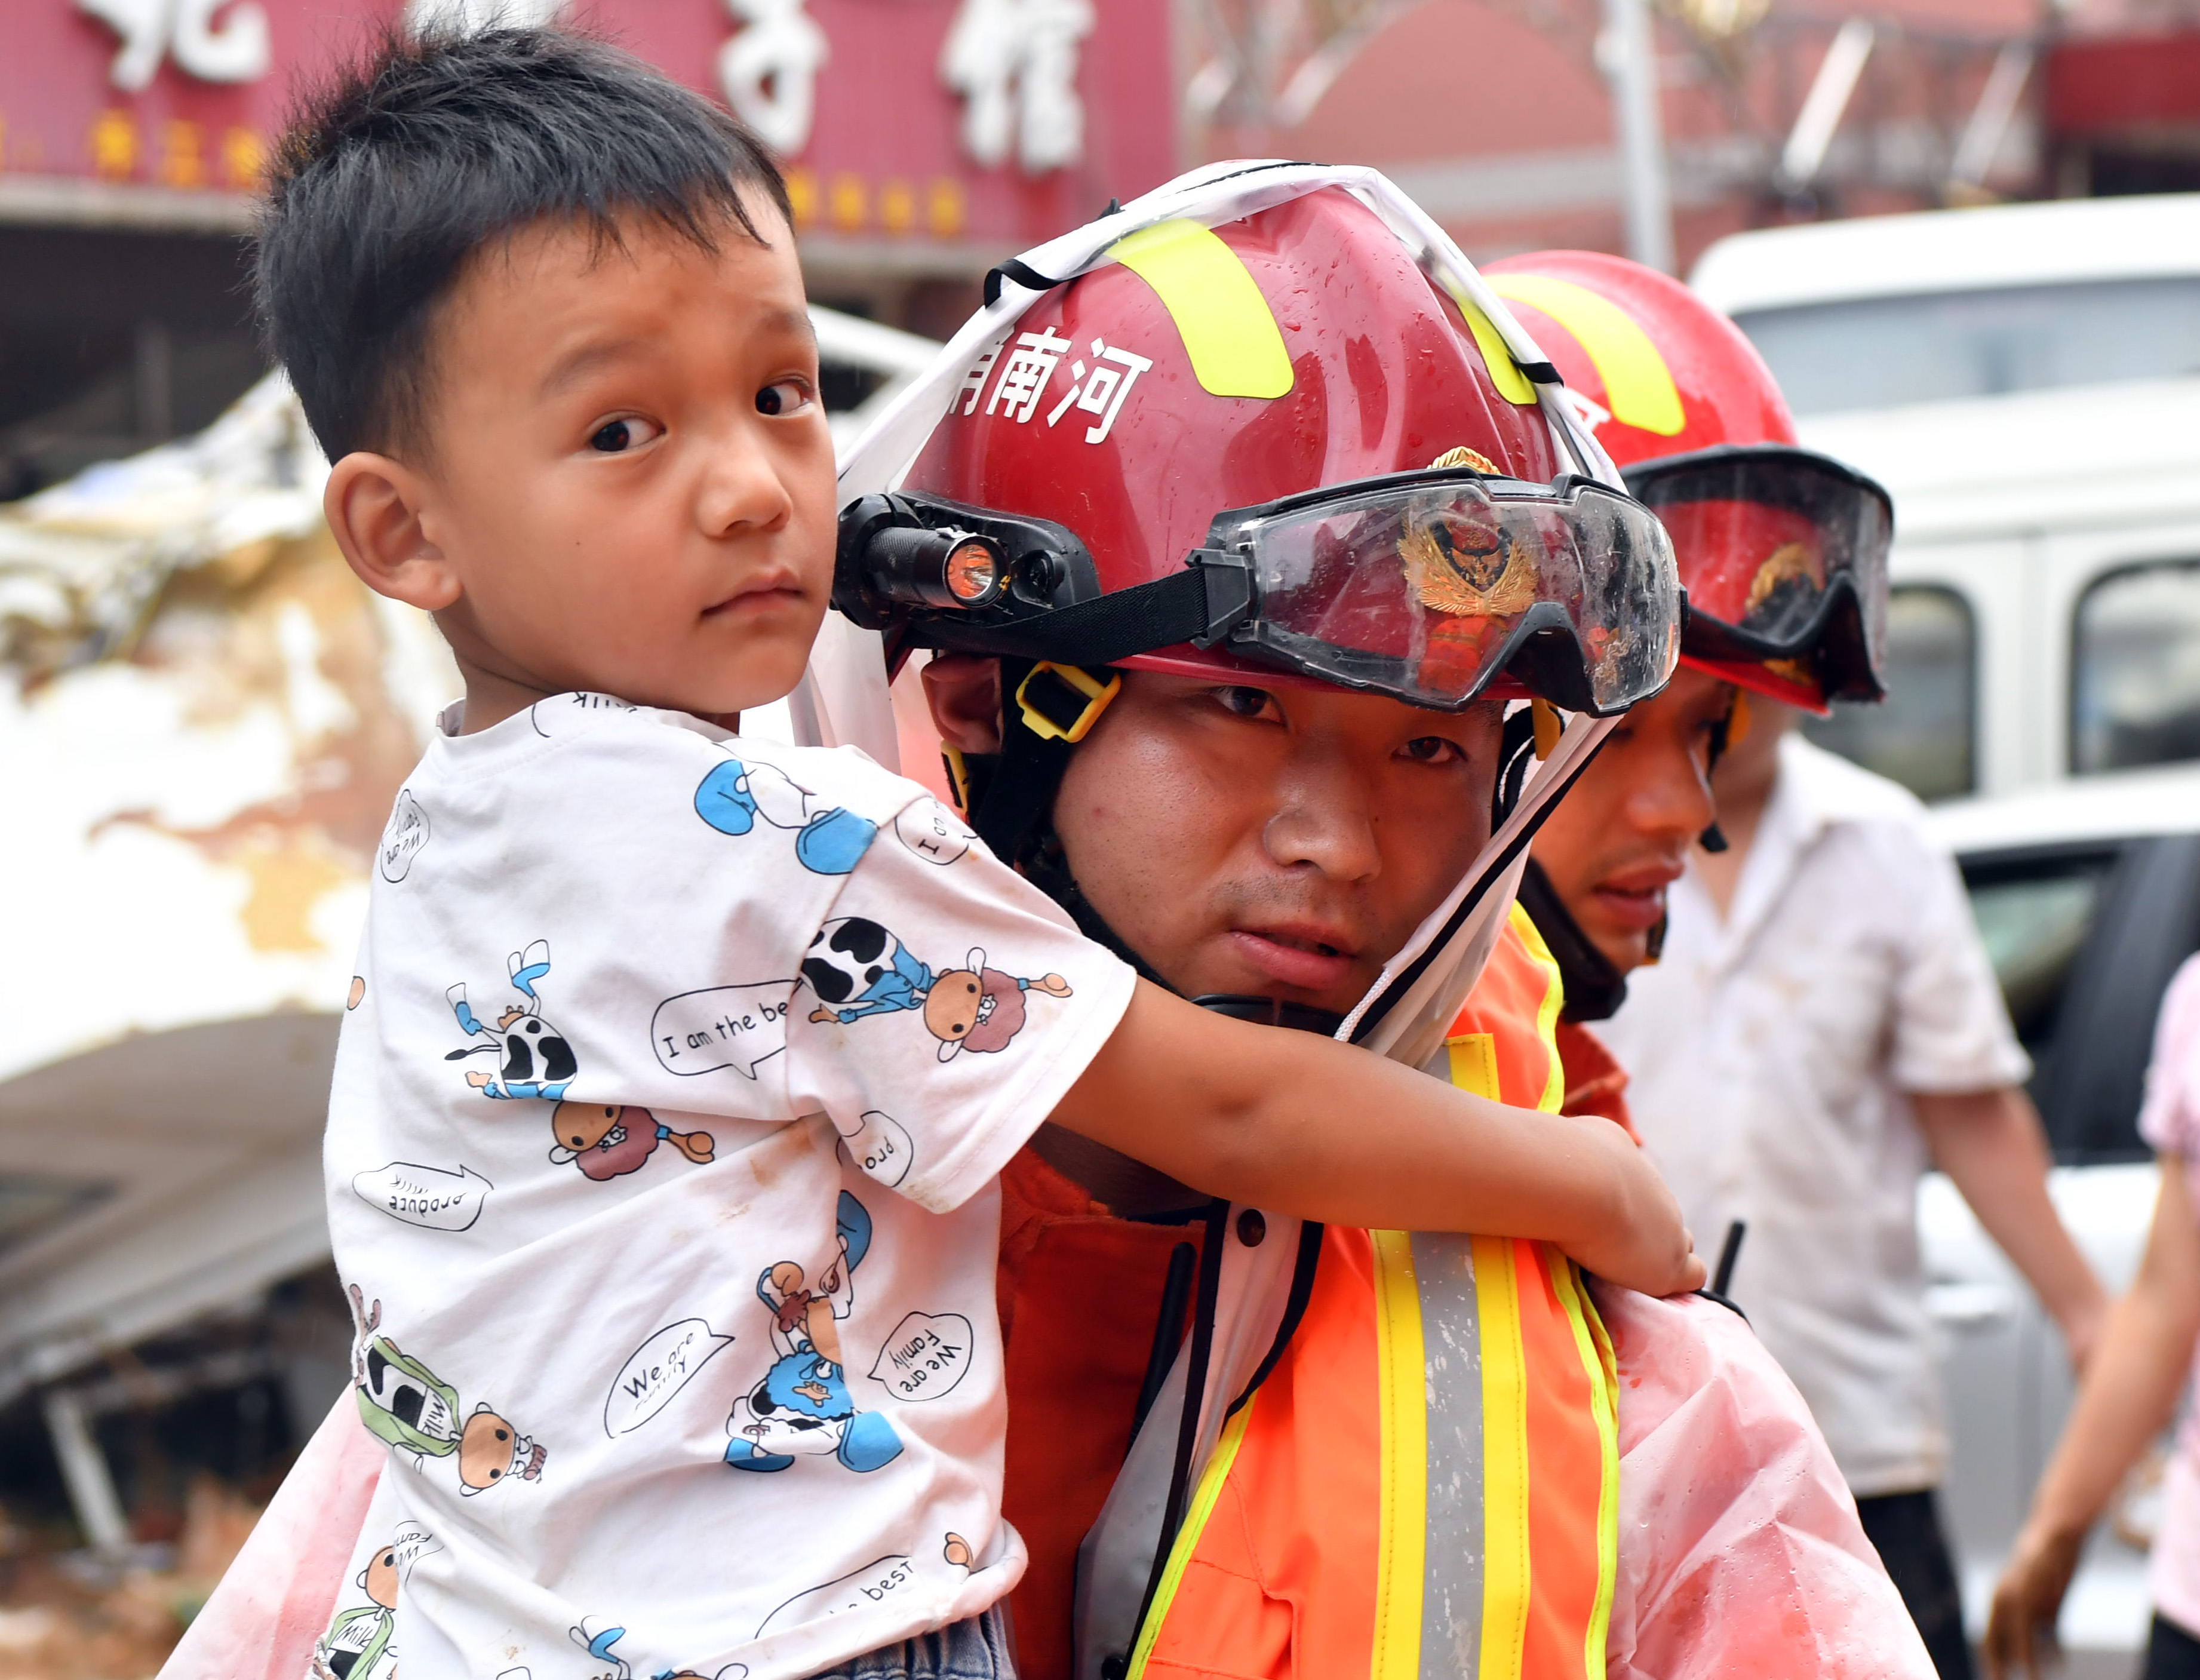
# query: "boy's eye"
{"type": "Point", "coordinates": [616, 437]}
{"type": "Point", "coordinates": [783, 397]}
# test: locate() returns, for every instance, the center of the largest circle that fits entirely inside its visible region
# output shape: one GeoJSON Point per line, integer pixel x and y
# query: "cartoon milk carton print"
{"type": "Point", "coordinates": [606, 1140]}
{"type": "Point", "coordinates": [600, 1639]}
{"type": "Point", "coordinates": [356, 1645]}
{"type": "Point", "coordinates": [536, 1058]}
{"type": "Point", "coordinates": [736, 793]}
{"type": "Point", "coordinates": [406, 1404]}
{"type": "Point", "coordinates": [802, 1407]}
{"type": "Point", "coordinates": [857, 968]}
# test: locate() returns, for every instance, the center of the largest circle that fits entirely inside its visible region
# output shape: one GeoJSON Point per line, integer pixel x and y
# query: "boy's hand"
{"type": "Point", "coordinates": [1644, 1246]}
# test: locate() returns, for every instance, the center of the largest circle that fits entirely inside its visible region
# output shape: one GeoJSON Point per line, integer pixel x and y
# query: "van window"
{"type": "Point", "coordinates": [1881, 352]}
{"type": "Point", "coordinates": [1921, 734]}
{"type": "Point", "coordinates": [2032, 925]}
{"type": "Point", "coordinates": [2135, 669]}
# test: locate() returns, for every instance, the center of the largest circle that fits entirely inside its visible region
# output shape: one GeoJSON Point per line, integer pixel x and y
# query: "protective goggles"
{"type": "Point", "coordinates": [1431, 587]}
{"type": "Point", "coordinates": [1785, 552]}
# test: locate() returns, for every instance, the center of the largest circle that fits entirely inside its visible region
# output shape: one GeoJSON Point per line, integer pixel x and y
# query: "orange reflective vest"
{"type": "Point", "coordinates": [1427, 1482]}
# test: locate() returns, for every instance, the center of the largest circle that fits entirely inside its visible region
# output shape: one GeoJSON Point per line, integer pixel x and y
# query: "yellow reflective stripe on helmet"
{"type": "Point", "coordinates": [1228, 329]}
{"type": "Point", "coordinates": [1638, 386]}
{"type": "Point", "coordinates": [1401, 1403]}
{"type": "Point", "coordinates": [1187, 1537]}
{"type": "Point", "coordinates": [1514, 386]}
{"type": "Point", "coordinates": [1504, 1462]}
{"type": "Point", "coordinates": [1554, 1096]}
{"type": "Point", "coordinates": [1596, 1349]}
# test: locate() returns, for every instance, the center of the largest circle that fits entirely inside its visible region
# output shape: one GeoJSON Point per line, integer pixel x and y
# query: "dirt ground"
{"type": "Point", "coordinates": [64, 1617]}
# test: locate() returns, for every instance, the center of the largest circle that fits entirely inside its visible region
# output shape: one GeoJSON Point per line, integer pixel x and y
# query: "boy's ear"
{"type": "Point", "coordinates": [373, 504]}
{"type": "Point", "coordinates": [964, 693]}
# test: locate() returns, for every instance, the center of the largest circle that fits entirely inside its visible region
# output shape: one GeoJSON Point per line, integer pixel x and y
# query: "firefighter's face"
{"type": "Point", "coordinates": [1621, 835]}
{"type": "Point", "coordinates": [1277, 840]}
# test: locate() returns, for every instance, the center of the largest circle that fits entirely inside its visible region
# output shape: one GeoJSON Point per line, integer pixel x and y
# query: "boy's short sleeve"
{"type": "Point", "coordinates": [945, 1007]}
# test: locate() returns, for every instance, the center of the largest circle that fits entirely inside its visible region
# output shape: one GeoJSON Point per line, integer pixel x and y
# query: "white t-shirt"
{"type": "Point", "coordinates": [1769, 1056]}
{"type": "Point", "coordinates": [661, 1164]}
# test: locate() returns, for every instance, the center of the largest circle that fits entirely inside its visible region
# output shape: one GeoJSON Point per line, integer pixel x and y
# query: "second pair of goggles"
{"type": "Point", "coordinates": [1786, 555]}
{"type": "Point", "coordinates": [1431, 587]}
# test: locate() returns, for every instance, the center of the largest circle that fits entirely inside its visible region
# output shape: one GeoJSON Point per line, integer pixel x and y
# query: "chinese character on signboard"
{"type": "Point", "coordinates": [1015, 64]}
{"type": "Point", "coordinates": [235, 49]}
{"type": "Point", "coordinates": [769, 70]}
{"type": "Point", "coordinates": [465, 16]}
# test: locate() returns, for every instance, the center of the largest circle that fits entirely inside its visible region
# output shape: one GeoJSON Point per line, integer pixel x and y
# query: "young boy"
{"type": "Point", "coordinates": [662, 1144]}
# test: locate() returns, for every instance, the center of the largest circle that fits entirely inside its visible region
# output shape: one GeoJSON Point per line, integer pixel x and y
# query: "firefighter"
{"type": "Point", "coordinates": [1372, 1449]}
{"type": "Point", "coordinates": [1689, 412]}
{"type": "Point", "coordinates": [1819, 1030]}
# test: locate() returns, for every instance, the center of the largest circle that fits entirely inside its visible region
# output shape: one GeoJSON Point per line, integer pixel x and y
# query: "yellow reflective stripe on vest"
{"type": "Point", "coordinates": [1211, 1482]}
{"type": "Point", "coordinates": [1596, 1348]}
{"type": "Point", "coordinates": [1397, 1517]}
{"type": "Point", "coordinates": [1229, 332]}
{"type": "Point", "coordinates": [1553, 1095]}
{"type": "Point", "coordinates": [1504, 1569]}
{"type": "Point", "coordinates": [1402, 1384]}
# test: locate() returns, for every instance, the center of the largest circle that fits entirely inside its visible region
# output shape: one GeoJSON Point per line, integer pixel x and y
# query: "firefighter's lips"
{"type": "Point", "coordinates": [1635, 898]}
{"type": "Point", "coordinates": [1304, 954]}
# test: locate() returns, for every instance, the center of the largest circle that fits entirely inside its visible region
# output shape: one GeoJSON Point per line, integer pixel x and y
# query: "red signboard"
{"type": "Point", "coordinates": [2103, 88]}
{"type": "Point", "coordinates": [1001, 121]}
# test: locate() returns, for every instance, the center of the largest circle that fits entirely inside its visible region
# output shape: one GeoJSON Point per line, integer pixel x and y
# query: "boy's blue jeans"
{"type": "Point", "coordinates": [977, 1649]}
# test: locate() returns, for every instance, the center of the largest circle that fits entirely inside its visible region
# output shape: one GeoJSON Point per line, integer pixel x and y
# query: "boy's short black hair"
{"type": "Point", "coordinates": [390, 177]}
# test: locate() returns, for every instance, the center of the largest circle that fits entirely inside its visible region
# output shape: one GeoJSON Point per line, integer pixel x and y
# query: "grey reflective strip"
{"type": "Point", "coordinates": [1451, 1344]}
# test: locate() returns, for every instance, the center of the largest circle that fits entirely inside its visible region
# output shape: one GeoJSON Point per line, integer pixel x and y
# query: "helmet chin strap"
{"type": "Point", "coordinates": [1413, 1002]}
{"type": "Point", "coordinates": [1595, 987]}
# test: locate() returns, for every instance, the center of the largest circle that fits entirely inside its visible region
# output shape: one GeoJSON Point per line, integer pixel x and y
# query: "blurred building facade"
{"type": "Point", "coordinates": [1497, 115]}
{"type": "Point", "coordinates": [923, 140]}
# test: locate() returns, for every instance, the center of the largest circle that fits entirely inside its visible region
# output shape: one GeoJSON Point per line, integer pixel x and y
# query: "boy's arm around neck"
{"type": "Point", "coordinates": [1320, 1130]}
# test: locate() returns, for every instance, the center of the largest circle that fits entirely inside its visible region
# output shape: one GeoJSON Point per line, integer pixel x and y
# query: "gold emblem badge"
{"type": "Point", "coordinates": [1464, 456]}
{"type": "Point", "coordinates": [1790, 562]}
{"type": "Point", "coordinates": [1457, 565]}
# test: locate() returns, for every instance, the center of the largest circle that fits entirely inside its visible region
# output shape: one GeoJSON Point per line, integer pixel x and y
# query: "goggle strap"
{"type": "Point", "coordinates": [1183, 606]}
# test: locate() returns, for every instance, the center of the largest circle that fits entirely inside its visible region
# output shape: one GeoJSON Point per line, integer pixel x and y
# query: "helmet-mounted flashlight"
{"type": "Point", "coordinates": [928, 558]}
{"type": "Point", "coordinates": [950, 569]}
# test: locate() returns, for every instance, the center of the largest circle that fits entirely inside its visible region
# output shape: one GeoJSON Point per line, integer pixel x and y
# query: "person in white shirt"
{"type": "Point", "coordinates": [679, 1069]}
{"type": "Point", "coordinates": [1824, 1024]}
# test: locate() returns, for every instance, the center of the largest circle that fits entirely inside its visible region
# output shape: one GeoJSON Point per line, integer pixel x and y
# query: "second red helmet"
{"type": "Point", "coordinates": [1782, 550]}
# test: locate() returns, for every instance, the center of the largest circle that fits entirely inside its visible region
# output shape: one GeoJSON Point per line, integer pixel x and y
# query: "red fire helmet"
{"type": "Point", "coordinates": [1275, 445]}
{"type": "Point", "coordinates": [1782, 551]}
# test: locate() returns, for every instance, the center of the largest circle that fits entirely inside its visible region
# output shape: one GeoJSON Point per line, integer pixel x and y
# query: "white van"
{"type": "Point", "coordinates": [2026, 380]}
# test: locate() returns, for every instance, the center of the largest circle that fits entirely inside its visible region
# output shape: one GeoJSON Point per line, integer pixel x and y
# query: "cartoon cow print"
{"type": "Point", "coordinates": [858, 968]}
{"type": "Point", "coordinates": [534, 1058]}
